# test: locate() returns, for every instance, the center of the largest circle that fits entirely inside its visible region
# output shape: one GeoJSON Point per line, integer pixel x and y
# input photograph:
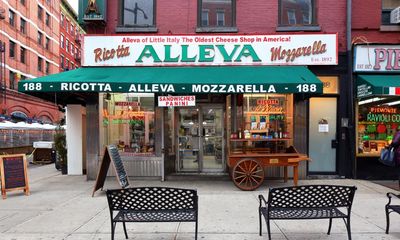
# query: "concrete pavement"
{"type": "Point", "coordinates": [61, 207]}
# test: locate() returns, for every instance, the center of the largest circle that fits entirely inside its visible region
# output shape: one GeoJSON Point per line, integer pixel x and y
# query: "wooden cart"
{"type": "Point", "coordinates": [247, 166]}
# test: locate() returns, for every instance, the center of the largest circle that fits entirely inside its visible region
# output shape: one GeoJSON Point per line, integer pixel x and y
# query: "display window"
{"type": "Point", "coordinates": [266, 120]}
{"type": "Point", "coordinates": [128, 121]}
{"type": "Point", "coordinates": [377, 123]}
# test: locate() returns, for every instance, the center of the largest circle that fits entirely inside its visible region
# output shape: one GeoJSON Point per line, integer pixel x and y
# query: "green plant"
{"type": "Point", "coordinates": [60, 143]}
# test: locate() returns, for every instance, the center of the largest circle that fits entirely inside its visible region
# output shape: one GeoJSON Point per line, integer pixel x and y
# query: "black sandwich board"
{"type": "Point", "coordinates": [111, 155]}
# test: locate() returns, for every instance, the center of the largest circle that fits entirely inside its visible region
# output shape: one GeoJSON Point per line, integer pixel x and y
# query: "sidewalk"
{"type": "Point", "coordinates": [61, 207]}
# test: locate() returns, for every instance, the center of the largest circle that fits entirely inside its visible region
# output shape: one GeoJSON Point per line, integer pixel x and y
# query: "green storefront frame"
{"type": "Point", "coordinates": [182, 80]}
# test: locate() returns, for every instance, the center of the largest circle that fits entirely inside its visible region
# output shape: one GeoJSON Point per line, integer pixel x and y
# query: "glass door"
{"type": "Point", "coordinates": [188, 139]}
{"type": "Point", "coordinates": [212, 137]}
{"type": "Point", "coordinates": [201, 139]}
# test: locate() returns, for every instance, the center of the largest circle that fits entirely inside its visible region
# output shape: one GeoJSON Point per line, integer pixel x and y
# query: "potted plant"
{"type": "Point", "coordinates": [60, 144]}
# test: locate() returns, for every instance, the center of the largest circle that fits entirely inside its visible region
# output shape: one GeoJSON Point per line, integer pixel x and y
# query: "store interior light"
{"type": "Point", "coordinates": [370, 100]}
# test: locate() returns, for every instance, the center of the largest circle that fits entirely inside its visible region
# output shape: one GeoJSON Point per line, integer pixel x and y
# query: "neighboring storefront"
{"type": "Point", "coordinates": [377, 72]}
{"type": "Point", "coordinates": [175, 104]}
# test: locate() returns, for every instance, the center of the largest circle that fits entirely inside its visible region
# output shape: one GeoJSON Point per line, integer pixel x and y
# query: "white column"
{"type": "Point", "coordinates": [74, 139]}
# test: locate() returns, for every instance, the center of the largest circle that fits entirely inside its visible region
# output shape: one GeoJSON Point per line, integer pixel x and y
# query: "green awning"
{"type": "Point", "coordinates": [378, 85]}
{"type": "Point", "coordinates": [215, 79]}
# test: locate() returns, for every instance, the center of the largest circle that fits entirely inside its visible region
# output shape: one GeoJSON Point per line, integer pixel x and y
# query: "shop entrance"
{"type": "Point", "coordinates": [201, 139]}
{"type": "Point", "coordinates": [322, 132]}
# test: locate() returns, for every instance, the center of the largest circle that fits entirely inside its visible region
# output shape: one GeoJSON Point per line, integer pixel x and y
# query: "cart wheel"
{"type": "Point", "coordinates": [248, 174]}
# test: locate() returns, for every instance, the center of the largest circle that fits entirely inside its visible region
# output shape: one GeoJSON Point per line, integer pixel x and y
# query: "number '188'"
{"type": "Point", "coordinates": [32, 86]}
{"type": "Point", "coordinates": [306, 88]}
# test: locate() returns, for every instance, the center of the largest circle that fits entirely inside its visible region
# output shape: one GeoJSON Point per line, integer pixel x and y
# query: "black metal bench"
{"type": "Point", "coordinates": [152, 204]}
{"type": "Point", "coordinates": [307, 202]}
{"type": "Point", "coordinates": [391, 208]}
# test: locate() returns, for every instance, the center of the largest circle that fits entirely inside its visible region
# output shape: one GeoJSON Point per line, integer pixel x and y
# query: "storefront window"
{"type": "Point", "coordinates": [128, 120]}
{"type": "Point", "coordinates": [376, 126]}
{"type": "Point", "coordinates": [267, 119]}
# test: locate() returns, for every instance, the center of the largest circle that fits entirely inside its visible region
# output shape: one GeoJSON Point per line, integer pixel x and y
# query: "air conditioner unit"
{"type": "Point", "coordinates": [395, 15]}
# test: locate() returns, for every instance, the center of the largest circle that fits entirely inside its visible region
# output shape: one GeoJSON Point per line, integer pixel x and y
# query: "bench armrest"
{"type": "Point", "coordinates": [262, 200]}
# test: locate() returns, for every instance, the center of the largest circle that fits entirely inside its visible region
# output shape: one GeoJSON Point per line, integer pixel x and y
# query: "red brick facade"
{"type": "Point", "coordinates": [70, 38]}
{"type": "Point", "coordinates": [31, 35]}
{"type": "Point", "coordinates": [259, 17]}
{"type": "Point", "coordinates": [367, 24]}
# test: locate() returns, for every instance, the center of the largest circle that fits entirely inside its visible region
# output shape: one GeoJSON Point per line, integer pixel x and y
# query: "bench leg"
{"type": "Point", "coordinates": [330, 226]}
{"type": "Point", "coordinates": [195, 233]}
{"type": "Point", "coordinates": [348, 227]}
{"type": "Point", "coordinates": [259, 218]}
{"type": "Point", "coordinates": [387, 220]}
{"type": "Point", "coordinates": [113, 229]}
{"type": "Point", "coordinates": [269, 230]}
{"type": "Point", "coordinates": [126, 234]}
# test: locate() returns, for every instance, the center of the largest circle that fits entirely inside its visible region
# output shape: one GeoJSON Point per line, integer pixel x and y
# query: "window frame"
{"type": "Point", "coordinates": [11, 50]}
{"type": "Point", "coordinates": [385, 12]}
{"type": "Point", "coordinates": [40, 64]}
{"type": "Point", "coordinates": [40, 13]}
{"type": "Point", "coordinates": [223, 19]}
{"type": "Point", "coordinates": [12, 79]}
{"type": "Point", "coordinates": [121, 27]}
{"type": "Point", "coordinates": [62, 59]}
{"type": "Point", "coordinates": [48, 19]}
{"type": "Point", "coordinates": [201, 28]}
{"type": "Point", "coordinates": [40, 38]}
{"type": "Point", "coordinates": [205, 11]}
{"type": "Point", "coordinates": [22, 55]}
{"type": "Point", "coordinates": [22, 25]}
{"type": "Point", "coordinates": [62, 19]}
{"type": "Point", "coordinates": [47, 43]}
{"type": "Point", "coordinates": [47, 67]}
{"type": "Point", "coordinates": [62, 37]}
{"type": "Point", "coordinates": [299, 27]}
{"type": "Point", "coordinates": [11, 17]}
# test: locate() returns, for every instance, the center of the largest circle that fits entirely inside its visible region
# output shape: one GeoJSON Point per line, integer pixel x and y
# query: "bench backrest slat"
{"type": "Point", "coordinates": [152, 198]}
{"type": "Point", "coordinates": [311, 196]}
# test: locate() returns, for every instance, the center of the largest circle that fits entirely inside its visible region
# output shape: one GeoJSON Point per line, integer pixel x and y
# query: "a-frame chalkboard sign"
{"type": "Point", "coordinates": [111, 155]}
{"type": "Point", "coordinates": [14, 176]}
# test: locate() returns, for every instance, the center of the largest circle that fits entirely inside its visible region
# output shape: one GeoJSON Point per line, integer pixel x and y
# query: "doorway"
{"type": "Point", "coordinates": [322, 135]}
{"type": "Point", "coordinates": [201, 139]}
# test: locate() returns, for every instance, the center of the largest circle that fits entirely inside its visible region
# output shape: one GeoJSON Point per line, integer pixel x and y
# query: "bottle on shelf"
{"type": "Point", "coordinates": [240, 133]}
